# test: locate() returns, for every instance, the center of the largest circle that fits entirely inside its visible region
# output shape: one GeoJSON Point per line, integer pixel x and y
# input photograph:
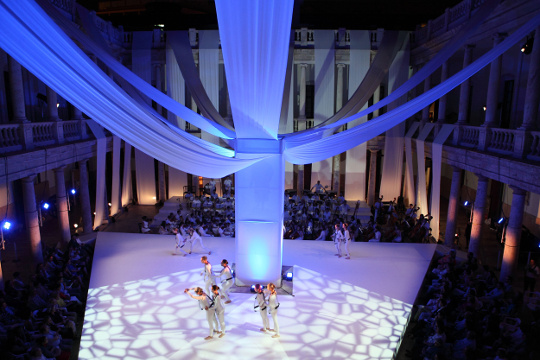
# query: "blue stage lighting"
{"type": "Point", "coordinates": [73, 191]}
{"type": "Point", "coordinates": [252, 288]}
{"type": "Point", "coordinates": [289, 276]}
{"type": "Point", "coordinates": [46, 206]}
{"type": "Point", "coordinates": [466, 203]}
{"type": "Point", "coordinates": [500, 220]}
{"type": "Point", "coordinates": [6, 225]}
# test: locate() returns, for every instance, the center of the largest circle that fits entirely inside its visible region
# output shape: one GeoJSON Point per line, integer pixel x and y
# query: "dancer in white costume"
{"type": "Point", "coordinates": [260, 304]}
{"type": "Point", "coordinates": [180, 242]}
{"type": "Point", "coordinates": [346, 239]}
{"type": "Point", "coordinates": [205, 303]}
{"type": "Point", "coordinates": [220, 309]}
{"type": "Point", "coordinates": [337, 236]}
{"type": "Point", "coordinates": [207, 273]}
{"type": "Point", "coordinates": [227, 280]}
{"type": "Point", "coordinates": [194, 237]}
{"type": "Point", "coordinates": [273, 305]}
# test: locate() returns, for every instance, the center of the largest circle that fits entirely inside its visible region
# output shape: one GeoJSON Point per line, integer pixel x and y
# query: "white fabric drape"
{"type": "Point", "coordinates": [436, 158]}
{"type": "Point", "coordinates": [324, 95]}
{"type": "Point", "coordinates": [255, 72]}
{"type": "Point", "coordinates": [355, 163]}
{"type": "Point", "coordinates": [144, 165]}
{"type": "Point", "coordinates": [450, 48]}
{"type": "Point", "coordinates": [115, 187]}
{"type": "Point", "coordinates": [410, 193]}
{"type": "Point", "coordinates": [392, 168]}
{"type": "Point", "coordinates": [127, 188]}
{"type": "Point", "coordinates": [421, 161]}
{"type": "Point", "coordinates": [101, 152]}
{"type": "Point", "coordinates": [209, 70]}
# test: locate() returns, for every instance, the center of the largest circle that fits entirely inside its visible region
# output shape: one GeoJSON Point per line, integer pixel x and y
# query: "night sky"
{"type": "Point", "coordinates": [313, 14]}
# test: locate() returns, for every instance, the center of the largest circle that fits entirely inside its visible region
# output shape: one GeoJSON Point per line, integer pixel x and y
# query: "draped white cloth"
{"type": "Point", "coordinates": [101, 152]}
{"type": "Point", "coordinates": [392, 168]}
{"type": "Point", "coordinates": [355, 163]}
{"type": "Point", "coordinates": [324, 95]}
{"type": "Point", "coordinates": [127, 188]}
{"type": "Point", "coordinates": [436, 158]}
{"type": "Point", "coordinates": [209, 71]}
{"type": "Point", "coordinates": [144, 165]}
{"type": "Point", "coordinates": [422, 201]}
{"type": "Point", "coordinates": [410, 192]}
{"type": "Point", "coordinates": [115, 188]}
{"type": "Point", "coordinates": [255, 73]}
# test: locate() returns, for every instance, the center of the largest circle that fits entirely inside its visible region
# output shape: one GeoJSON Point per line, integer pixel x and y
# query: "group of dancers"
{"type": "Point", "coordinates": [182, 237]}
{"type": "Point", "coordinates": [342, 238]}
{"type": "Point", "coordinates": [211, 300]}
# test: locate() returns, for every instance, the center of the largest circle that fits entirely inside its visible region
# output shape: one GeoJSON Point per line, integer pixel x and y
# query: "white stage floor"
{"type": "Point", "coordinates": [342, 309]}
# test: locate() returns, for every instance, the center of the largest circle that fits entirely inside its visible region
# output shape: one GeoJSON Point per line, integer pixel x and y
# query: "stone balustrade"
{"type": "Point", "coordinates": [27, 136]}
{"type": "Point", "coordinates": [534, 150]}
{"type": "Point", "coordinates": [451, 18]}
{"type": "Point", "coordinates": [502, 141]}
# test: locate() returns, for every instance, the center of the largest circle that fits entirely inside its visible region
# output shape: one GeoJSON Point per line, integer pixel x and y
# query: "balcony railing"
{"type": "Point", "coordinates": [28, 135]}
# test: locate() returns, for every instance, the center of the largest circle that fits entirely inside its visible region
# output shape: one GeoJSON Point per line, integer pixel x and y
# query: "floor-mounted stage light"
{"type": "Point", "coordinates": [46, 206]}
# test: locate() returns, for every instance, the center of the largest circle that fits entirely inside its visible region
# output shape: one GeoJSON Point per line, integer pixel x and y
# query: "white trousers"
{"type": "Point", "coordinates": [264, 316]}
{"type": "Point", "coordinates": [338, 246]}
{"type": "Point", "coordinates": [202, 245]}
{"type": "Point", "coordinates": [274, 319]}
{"type": "Point", "coordinates": [211, 318]}
{"type": "Point", "coordinates": [225, 286]}
{"type": "Point", "coordinates": [346, 243]}
{"type": "Point", "coordinates": [221, 319]}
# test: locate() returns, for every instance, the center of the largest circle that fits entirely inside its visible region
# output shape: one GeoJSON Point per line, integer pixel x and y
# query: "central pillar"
{"type": "Point", "coordinates": [259, 213]}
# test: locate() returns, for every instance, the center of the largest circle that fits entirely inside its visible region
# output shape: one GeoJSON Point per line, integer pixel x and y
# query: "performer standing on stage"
{"type": "Point", "coordinates": [180, 242]}
{"type": "Point", "coordinates": [227, 280]}
{"type": "Point", "coordinates": [220, 309]}
{"type": "Point", "coordinates": [193, 237]}
{"type": "Point", "coordinates": [260, 304]}
{"type": "Point", "coordinates": [205, 303]}
{"type": "Point", "coordinates": [337, 236]}
{"type": "Point", "coordinates": [273, 305]}
{"type": "Point", "coordinates": [346, 239]}
{"type": "Point", "coordinates": [207, 273]}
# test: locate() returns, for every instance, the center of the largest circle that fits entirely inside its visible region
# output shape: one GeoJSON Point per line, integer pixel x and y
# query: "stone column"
{"type": "Point", "coordinates": [52, 108]}
{"type": "Point", "coordinates": [17, 90]}
{"type": "Point", "coordinates": [442, 101]}
{"type": "Point", "coordinates": [31, 218]}
{"type": "Point", "coordinates": [86, 208]}
{"type": "Point", "coordinates": [158, 85]}
{"type": "Point", "coordinates": [302, 100]}
{"type": "Point", "coordinates": [465, 89]}
{"type": "Point", "coordinates": [300, 178]}
{"type": "Point", "coordinates": [492, 98]}
{"type": "Point", "coordinates": [532, 93]}
{"type": "Point", "coordinates": [339, 87]}
{"type": "Point", "coordinates": [513, 234]}
{"type": "Point", "coordinates": [161, 182]}
{"type": "Point", "coordinates": [478, 214]}
{"type": "Point", "coordinates": [452, 207]}
{"type": "Point", "coordinates": [77, 113]}
{"type": "Point", "coordinates": [425, 111]}
{"type": "Point", "coordinates": [62, 208]}
{"type": "Point", "coordinates": [372, 180]}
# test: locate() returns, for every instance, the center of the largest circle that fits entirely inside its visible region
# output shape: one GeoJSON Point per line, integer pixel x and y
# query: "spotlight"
{"type": "Point", "coordinates": [75, 225]}
{"type": "Point", "coordinates": [527, 47]}
{"type": "Point", "coordinates": [109, 204]}
{"type": "Point", "coordinates": [73, 191]}
{"type": "Point", "coordinates": [484, 108]}
{"type": "Point", "coordinates": [289, 276]}
{"type": "Point", "coordinates": [500, 220]}
{"type": "Point", "coordinates": [466, 203]}
{"type": "Point", "coordinates": [252, 288]}
{"type": "Point", "coordinates": [6, 225]}
{"type": "Point", "coordinates": [46, 206]}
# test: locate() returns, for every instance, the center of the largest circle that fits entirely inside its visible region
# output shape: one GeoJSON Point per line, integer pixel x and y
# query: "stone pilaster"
{"type": "Point", "coordinates": [62, 207]}
{"type": "Point", "coordinates": [513, 234]}
{"type": "Point", "coordinates": [478, 214]}
{"type": "Point", "coordinates": [302, 90]}
{"type": "Point", "coordinates": [452, 207]}
{"type": "Point", "coordinates": [372, 180]}
{"type": "Point", "coordinates": [31, 218]}
{"type": "Point", "coordinates": [86, 208]}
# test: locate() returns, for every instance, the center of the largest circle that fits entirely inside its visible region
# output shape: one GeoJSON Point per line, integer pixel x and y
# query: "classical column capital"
{"type": "Point", "coordinates": [517, 191]}
{"type": "Point", "coordinates": [481, 178]}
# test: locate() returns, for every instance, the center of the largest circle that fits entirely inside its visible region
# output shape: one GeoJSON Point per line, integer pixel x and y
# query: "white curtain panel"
{"type": "Point", "coordinates": [355, 163]}
{"type": "Point", "coordinates": [421, 161]}
{"type": "Point", "coordinates": [127, 189]}
{"type": "Point", "coordinates": [176, 86]}
{"type": "Point", "coordinates": [101, 152]}
{"type": "Point", "coordinates": [144, 164]}
{"type": "Point", "coordinates": [209, 71]}
{"type": "Point", "coordinates": [115, 188]}
{"type": "Point", "coordinates": [392, 169]}
{"type": "Point", "coordinates": [324, 95]}
{"type": "Point", "coordinates": [410, 193]}
{"type": "Point", "coordinates": [436, 159]}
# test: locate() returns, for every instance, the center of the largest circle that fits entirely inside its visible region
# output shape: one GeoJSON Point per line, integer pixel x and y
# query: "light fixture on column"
{"type": "Point", "coordinates": [6, 225]}
{"type": "Point", "coordinates": [46, 205]}
{"type": "Point", "coordinates": [527, 47]}
{"type": "Point", "coordinates": [73, 191]}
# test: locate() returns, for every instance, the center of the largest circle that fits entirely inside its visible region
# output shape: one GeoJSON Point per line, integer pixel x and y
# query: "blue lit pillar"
{"type": "Point", "coordinates": [259, 213]}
